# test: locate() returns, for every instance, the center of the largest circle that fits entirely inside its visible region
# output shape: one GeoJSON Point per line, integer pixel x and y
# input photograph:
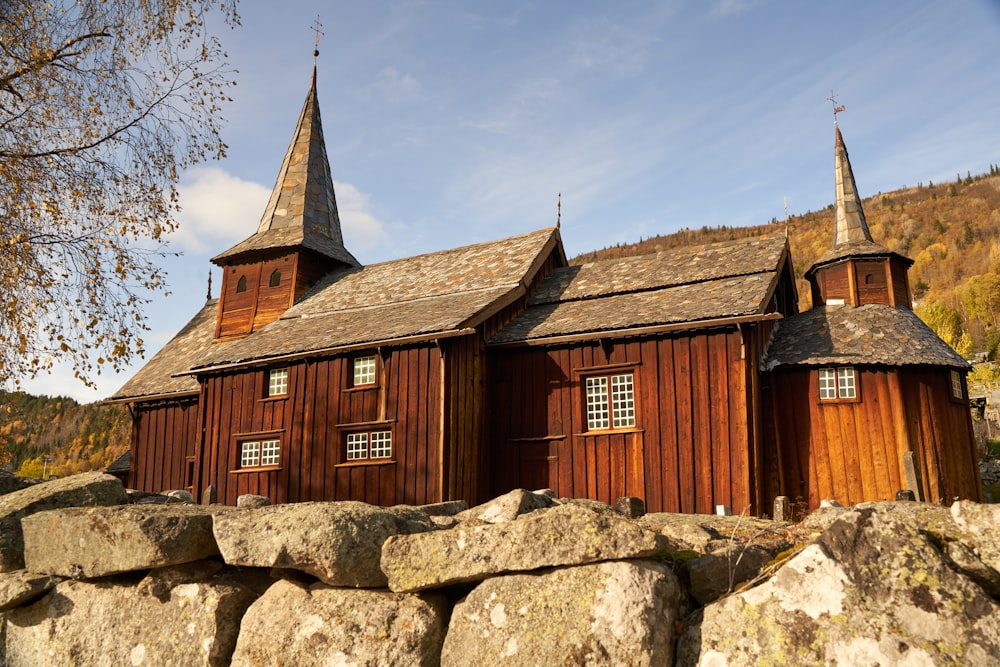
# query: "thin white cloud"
{"type": "Point", "coordinates": [735, 7]}
{"type": "Point", "coordinates": [217, 209]}
{"type": "Point", "coordinates": [362, 230]}
{"type": "Point", "coordinates": [395, 86]}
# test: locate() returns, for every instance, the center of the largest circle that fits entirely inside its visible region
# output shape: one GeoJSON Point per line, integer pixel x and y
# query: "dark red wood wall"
{"type": "Point", "coordinates": [692, 446]}
{"type": "Point", "coordinates": [164, 436]}
{"type": "Point", "coordinates": [853, 451]}
{"type": "Point", "coordinates": [311, 422]}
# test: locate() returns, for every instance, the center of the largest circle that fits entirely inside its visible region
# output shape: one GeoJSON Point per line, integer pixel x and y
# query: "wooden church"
{"type": "Point", "coordinates": [686, 378]}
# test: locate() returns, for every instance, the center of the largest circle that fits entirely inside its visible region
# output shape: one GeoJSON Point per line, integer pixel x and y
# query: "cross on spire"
{"type": "Point", "coordinates": [836, 109]}
{"type": "Point", "coordinates": [317, 27]}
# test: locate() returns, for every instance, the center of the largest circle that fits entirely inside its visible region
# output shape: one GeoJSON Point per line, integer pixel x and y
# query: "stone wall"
{"type": "Point", "coordinates": [94, 575]}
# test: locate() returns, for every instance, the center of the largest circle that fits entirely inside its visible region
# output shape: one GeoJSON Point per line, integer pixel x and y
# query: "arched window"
{"type": "Point", "coordinates": [241, 284]}
{"type": "Point", "coordinates": [869, 279]}
{"type": "Point", "coordinates": [275, 278]}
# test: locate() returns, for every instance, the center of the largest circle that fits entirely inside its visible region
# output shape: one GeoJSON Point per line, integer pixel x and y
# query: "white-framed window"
{"type": "Point", "coordinates": [956, 385]}
{"type": "Point", "coordinates": [610, 401]}
{"type": "Point", "coordinates": [277, 382]}
{"type": "Point", "coordinates": [364, 370]}
{"type": "Point", "coordinates": [837, 383]}
{"type": "Point", "coordinates": [257, 453]}
{"type": "Point", "coordinates": [368, 445]}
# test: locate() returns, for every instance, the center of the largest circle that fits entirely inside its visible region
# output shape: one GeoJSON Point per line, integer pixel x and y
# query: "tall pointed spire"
{"type": "Point", "coordinates": [851, 224]}
{"type": "Point", "coordinates": [302, 209]}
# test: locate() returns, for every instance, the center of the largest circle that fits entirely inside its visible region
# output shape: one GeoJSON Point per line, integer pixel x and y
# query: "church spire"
{"type": "Point", "coordinates": [302, 209]}
{"type": "Point", "coordinates": [851, 224]}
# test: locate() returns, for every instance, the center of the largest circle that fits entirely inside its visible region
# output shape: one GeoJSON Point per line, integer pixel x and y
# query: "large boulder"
{"type": "Point", "coordinates": [164, 620]}
{"type": "Point", "coordinates": [872, 589]}
{"type": "Point", "coordinates": [339, 543]}
{"type": "Point", "coordinates": [83, 490]}
{"type": "Point", "coordinates": [614, 613]}
{"type": "Point", "coordinates": [88, 542]}
{"type": "Point", "coordinates": [563, 535]}
{"type": "Point", "coordinates": [303, 625]}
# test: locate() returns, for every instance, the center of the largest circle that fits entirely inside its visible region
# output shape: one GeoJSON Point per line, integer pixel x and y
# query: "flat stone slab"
{"type": "Point", "coordinates": [160, 621]}
{"type": "Point", "coordinates": [338, 542]}
{"type": "Point", "coordinates": [21, 586]}
{"type": "Point", "coordinates": [318, 625]}
{"type": "Point", "coordinates": [563, 535]}
{"type": "Point", "coordinates": [88, 542]}
{"type": "Point", "coordinates": [614, 613]}
{"type": "Point", "coordinates": [83, 490]}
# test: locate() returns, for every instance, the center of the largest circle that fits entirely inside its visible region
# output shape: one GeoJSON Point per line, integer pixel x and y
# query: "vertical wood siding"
{"type": "Point", "coordinates": [311, 422]}
{"type": "Point", "coordinates": [853, 451]}
{"type": "Point", "coordinates": [164, 436]}
{"type": "Point", "coordinates": [690, 449]}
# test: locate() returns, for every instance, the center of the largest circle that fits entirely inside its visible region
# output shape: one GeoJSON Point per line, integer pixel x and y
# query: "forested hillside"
{"type": "Point", "coordinates": [75, 437]}
{"type": "Point", "coordinates": [951, 231]}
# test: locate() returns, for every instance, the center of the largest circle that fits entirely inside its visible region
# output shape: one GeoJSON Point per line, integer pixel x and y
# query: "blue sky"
{"type": "Point", "coordinates": [449, 122]}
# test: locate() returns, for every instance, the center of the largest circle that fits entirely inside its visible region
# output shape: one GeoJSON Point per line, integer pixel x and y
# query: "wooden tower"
{"type": "Point", "coordinates": [298, 241]}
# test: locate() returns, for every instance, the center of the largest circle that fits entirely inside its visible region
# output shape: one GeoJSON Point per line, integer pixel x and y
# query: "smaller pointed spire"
{"type": "Point", "coordinates": [208, 295]}
{"type": "Point", "coordinates": [851, 224]}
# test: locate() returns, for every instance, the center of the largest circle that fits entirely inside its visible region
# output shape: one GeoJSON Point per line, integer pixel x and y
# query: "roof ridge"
{"type": "Point", "coordinates": [382, 304]}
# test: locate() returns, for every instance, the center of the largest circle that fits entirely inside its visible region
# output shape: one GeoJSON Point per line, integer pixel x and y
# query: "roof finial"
{"type": "Point", "coordinates": [558, 209]}
{"type": "Point", "coordinates": [208, 296]}
{"type": "Point", "coordinates": [836, 109]}
{"type": "Point", "coordinates": [317, 27]}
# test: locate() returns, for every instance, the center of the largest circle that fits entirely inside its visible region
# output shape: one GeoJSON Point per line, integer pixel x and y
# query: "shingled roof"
{"type": "Point", "coordinates": [686, 285]}
{"type": "Point", "coordinates": [302, 210]}
{"type": "Point", "coordinates": [851, 237]}
{"type": "Point", "coordinates": [436, 294]}
{"type": "Point", "coordinates": [159, 376]}
{"type": "Point", "coordinates": [873, 334]}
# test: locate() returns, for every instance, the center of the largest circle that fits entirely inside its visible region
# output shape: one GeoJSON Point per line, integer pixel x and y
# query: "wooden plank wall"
{"type": "Point", "coordinates": [943, 427]}
{"type": "Point", "coordinates": [311, 422]}
{"type": "Point", "coordinates": [853, 451]}
{"type": "Point", "coordinates": [164, 434]}
{"type": "Point", "coordinates": [689, 452]}
{"type": "Point", "coordinates": [463, 417]}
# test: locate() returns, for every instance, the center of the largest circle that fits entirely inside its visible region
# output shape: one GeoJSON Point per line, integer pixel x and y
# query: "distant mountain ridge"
{"type": "Point", "coordinates": [951, 230]}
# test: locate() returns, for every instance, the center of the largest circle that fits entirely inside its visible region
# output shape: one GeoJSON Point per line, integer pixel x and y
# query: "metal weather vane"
{"type": "Point", "coordinates": [317, 27]}
{"type": "Point", "coordinates": [836, 109]}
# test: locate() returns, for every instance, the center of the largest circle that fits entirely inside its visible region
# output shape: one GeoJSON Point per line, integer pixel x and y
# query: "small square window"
{"type": "Point", "coordinates": [956, 385]}
{"type": "Point", "coordinates": [381, 447]}
{"type": "Point", "coordinates": [373, 445]}
{"type": "Point", "coordinates": [258, 453]}
{"type": "Point", "coordinates": [250, 454]}
{"type": "Point", "coordinates": [364, 370]}
{"type": "Point", "coordinates": [610, 402]}
{"type": "Point", "coordinates": [357, 446]}
{"type": "Point", "coordinates": [837, 383]}
{"type": "Point", "coordinates": [277, 382]}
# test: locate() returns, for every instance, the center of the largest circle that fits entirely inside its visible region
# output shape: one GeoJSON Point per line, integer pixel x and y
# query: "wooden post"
{"type": "Point", "coordinates": [912, 471]}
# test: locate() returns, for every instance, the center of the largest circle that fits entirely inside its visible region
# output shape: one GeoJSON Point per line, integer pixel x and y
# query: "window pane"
{"type": "Point", "coordinates": [956, 384]}
{"type": "Point", "coordinates": [357, 446]}
{"type": "Point", "coordinates": [845, 377]}
{"type": "Point", "coordinates": [364, 370]}
{"type": "Point", "coordinates": [827, 384]}
{"type": "Point", "coordinates": [622, 401]}
{"type": "Point", "coordinates": [277, 382]}
{"type": "Point", "coordinates": [269, 452]}
{"type": "Point", "coordinates": [381, 445]}
{"type": "Point", "coordinates": [249, 454]}
{"type": "Point", "coordinates": [597, 403]}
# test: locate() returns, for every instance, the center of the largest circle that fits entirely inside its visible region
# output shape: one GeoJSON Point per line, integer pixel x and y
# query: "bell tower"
{"type": "Point", "coordinates": [297, 242]}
